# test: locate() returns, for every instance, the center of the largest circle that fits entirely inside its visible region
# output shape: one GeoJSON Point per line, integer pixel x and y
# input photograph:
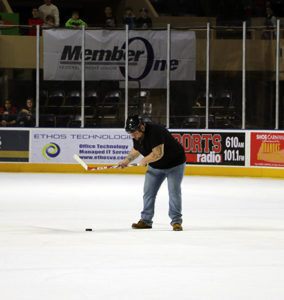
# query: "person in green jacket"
{"type": "Point", "coordinates": [75, 21]}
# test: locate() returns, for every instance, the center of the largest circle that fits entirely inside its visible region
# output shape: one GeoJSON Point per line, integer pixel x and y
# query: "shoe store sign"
{"type": "Point", "coordinates": [105, 55]}
{"type": "Point", "coordinates": [267, 149]}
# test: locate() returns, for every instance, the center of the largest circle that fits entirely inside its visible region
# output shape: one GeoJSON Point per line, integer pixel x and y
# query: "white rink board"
{"type": "Point", "coordinates": [97, 146]}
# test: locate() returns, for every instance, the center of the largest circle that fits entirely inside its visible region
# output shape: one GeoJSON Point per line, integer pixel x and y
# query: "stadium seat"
{"type": "Point", "coordinates": [73, 98]}
{"type": "Point", "coordinates": [201, 99]}
{"type": "Point", "coordinates": [91, 97]}
{"type": "Point", "coordinates": [223, 99]}
{"type": "Point", "coordinates": [192, 121]}
{"type": "Point", "coordinates": [136, 102]}
{"type": "Point", "coordinates": [112, 97]}
{"type": "Point", "coordinates": [43, 97]}
{"type": "Point", "coordinates": [75, 121]}
{"type": "Point", "coordinates": [110, 104]}
{"type": "Point", "coordinates": [56, 98]}
{"type": "Point", "coordinates": [89, 111]}
{"type": "Point", "coordinates": [47, 120]}
{"type": "Point", "coordinates": [108, 112]}
{"type": "Point", "coordinates": [142, 94]}
{"type": "Point", "coordinates": [198, 121]}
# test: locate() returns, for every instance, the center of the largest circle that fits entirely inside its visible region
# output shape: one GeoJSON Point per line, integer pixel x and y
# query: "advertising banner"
{"type": "Point", "coordinates": [10, 19]}
{"type": "Point", "coordinates": [94, 146]}
{"type": "Point", "coordinates": [14, 145]}
{"type": "Point", "coordinates": [267, 149]}
{"type": "Point", "coordinates": [213, 148]}
{"type": "Point", "coordinates": [105, 55]}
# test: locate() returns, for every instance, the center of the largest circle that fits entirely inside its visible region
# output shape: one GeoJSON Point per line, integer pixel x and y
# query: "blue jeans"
{"type": "Point", "coordinates": [153, 180]}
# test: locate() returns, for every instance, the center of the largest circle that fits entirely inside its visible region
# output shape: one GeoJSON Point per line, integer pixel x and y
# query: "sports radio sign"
{"type": "Point", "coordinates": [105, 55]}
{"type": "Point", "coordinates": [213, 148]}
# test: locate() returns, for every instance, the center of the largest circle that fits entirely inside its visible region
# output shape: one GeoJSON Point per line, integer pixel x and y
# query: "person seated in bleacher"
{"type": "Point", "coordinates": [75, 21]}
{"type": "Point", "coordinates": [129, 18]}
{"type": "Point", "coordinates": [26, 117]}
{"type": "Point", "coordinates": [8, 115]}
{"type": "Point", "coordinates": [109, 19]}
{"type": "Point", "coordinates": [271, 23]}
{"type": "Point", "coordinates": [49, 9]}
{"type": "Point", "coordinates": [49, 22]}
{"type": "Point", "coordinates": [144, 21]}
{"type": "Point", "coordinates": [35, 20]}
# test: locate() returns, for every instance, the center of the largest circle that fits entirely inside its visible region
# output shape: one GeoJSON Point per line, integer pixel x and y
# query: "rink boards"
{"type": "Point", "coordinates": [208, 152]}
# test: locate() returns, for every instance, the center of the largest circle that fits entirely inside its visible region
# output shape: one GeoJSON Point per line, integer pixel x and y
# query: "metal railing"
{"type": "Point", "coordinates": [208, 30]}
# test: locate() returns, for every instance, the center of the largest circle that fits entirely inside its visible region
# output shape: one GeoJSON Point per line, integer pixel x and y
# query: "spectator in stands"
{"type": "Point", "coordinates": [49, 9]}
{"type": "Point", "coordinates": [258, 6]}
{"type": "Point", "coordinates": [270, 23]}
{"type": "Point", "coordinates": [8, 114]}
{"type": "Point", "coordinates": [26, 117]}
{"type": "Point", "coordinates": [109, 19]}
{"type": "Point", "coordinates": [144, 21]}
{"type": "Point", "coordinates": [75, 21]}
{"type": "Point", "coordinates": [1, 23]}
{"type": "Point", "coordinates": [35, 20]}
{"type": "Point", "coordinates": [49, 21]}
{"type": "Point", "coordinates": [129, 18]}
{"type": "Point", "coordinates": [248, 11]}
{"type": "Point", "coordinates": [270, 18]}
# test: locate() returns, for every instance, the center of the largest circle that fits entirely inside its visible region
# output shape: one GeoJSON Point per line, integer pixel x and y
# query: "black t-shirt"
{"type": "Point", "coordinates": [144, 22]}
{"type": "Point", "coordinates": [154, 136]}
{"type": "Point", "coordinates": [108, 20]}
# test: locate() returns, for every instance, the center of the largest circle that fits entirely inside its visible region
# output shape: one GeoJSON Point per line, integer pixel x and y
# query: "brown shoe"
{"type": "Point", "coordinates": [141, 225]}
{"type": "Point", "coordinates": [177, 227]}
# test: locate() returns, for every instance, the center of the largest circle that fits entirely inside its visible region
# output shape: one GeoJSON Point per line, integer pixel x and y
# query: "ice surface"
{"type": "Point", "coordinates": [232, 246]}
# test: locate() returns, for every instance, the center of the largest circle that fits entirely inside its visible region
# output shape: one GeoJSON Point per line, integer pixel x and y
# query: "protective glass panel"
{"type": "Point", "coordinates": [186, 111]}
{"type": "Point", "coordinates": [225, 88]}
{"type": "Point", "coordinates": [260, 79]}
{"type": "Point", "coordinates": [147, 74]}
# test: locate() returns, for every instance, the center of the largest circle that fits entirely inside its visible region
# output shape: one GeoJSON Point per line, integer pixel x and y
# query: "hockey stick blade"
{"type": "Point", "coordinates": [108, 167]}
{"type": "Point", "coordinates": [80, 161]}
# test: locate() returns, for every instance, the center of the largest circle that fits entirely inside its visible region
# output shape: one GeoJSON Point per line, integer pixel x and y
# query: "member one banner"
{"type": "Point", "coordinates": [96, 146]}
{"type": "Point", "coordinates": [105, 55]}
{"type": "Point", "coordinates": [267, 149]}
{"type": "Point", "coordinates": [14, 145]}
{"type": "Point", "coordinates": [213, 148]}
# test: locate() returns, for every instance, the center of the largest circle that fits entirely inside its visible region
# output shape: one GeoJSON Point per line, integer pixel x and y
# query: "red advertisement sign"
{"type": "Point", "coordinates": [213, 148]}
{"type": "Point", "coordinates": [267, 149]}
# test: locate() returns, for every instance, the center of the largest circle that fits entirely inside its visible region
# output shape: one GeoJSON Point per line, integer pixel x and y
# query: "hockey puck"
{"type": "Point", "coordinates": [88, 229]}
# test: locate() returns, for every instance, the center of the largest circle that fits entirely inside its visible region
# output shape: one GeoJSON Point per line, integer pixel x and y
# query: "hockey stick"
{"type": "Point", "coordinates": [87, 168]}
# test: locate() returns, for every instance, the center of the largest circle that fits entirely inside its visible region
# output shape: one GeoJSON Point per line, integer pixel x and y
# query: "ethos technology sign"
{"type": "Point", "coordinates": [105, 55]}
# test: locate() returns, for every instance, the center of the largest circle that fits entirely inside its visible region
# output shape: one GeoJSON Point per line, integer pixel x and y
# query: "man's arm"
{"type": "Point", "coordinates": [133, 154]}
{"type": "Point", "coordinates": [156, 154]}
{"type": "Point", "coordinates": [68, 23]}
{"type": "Point", "coordinates": [56, 16]}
